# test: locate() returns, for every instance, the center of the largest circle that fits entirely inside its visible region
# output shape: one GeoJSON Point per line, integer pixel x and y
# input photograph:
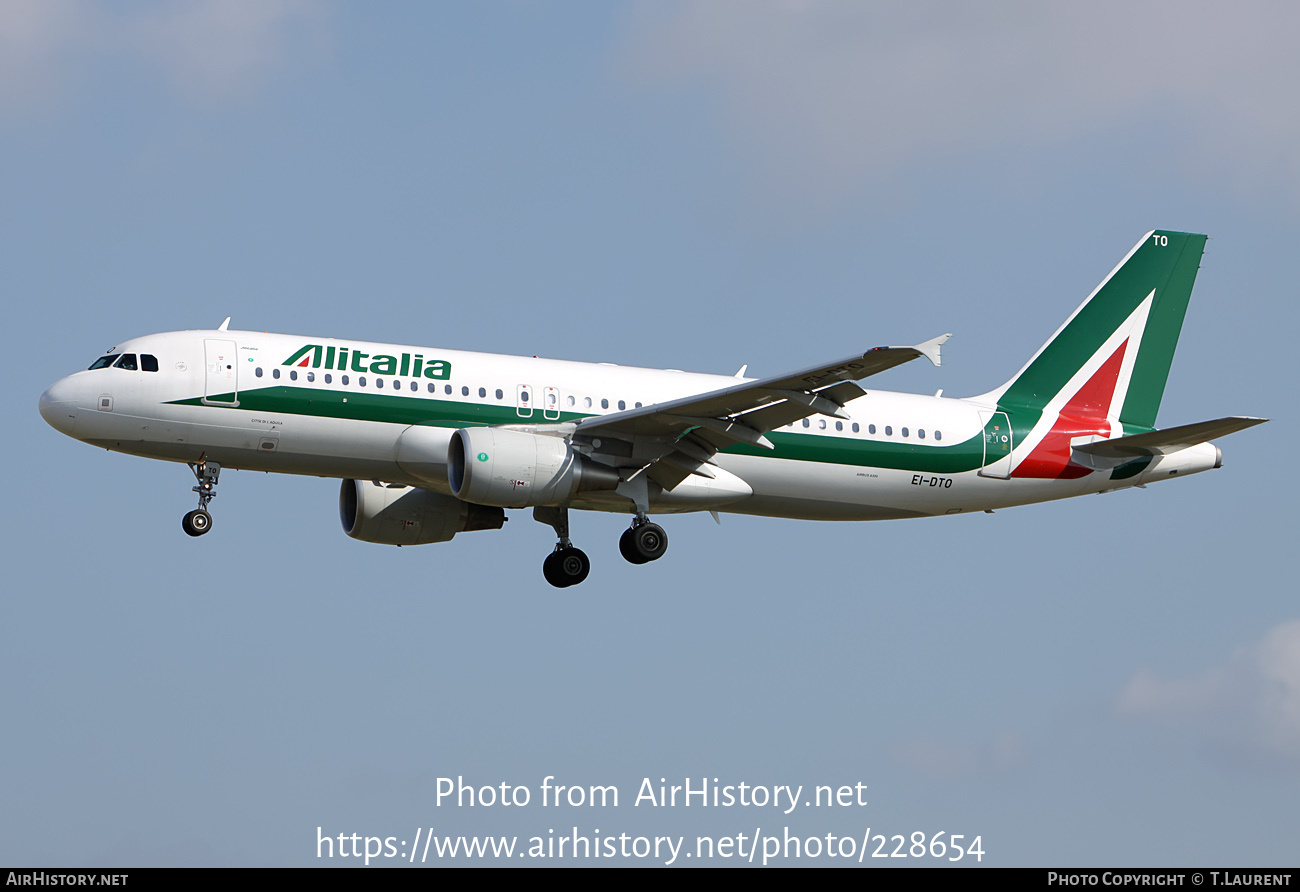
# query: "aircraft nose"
{"type": "Point", "coordinates": [59, 406]}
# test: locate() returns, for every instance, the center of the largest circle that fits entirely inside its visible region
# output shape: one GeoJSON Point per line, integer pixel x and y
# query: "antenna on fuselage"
{"type": "Point", "coordinates": [223, 326]}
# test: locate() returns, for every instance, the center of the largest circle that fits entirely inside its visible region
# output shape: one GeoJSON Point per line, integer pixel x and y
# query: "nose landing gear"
{"type": "Point", "coordinates": [199, 521]}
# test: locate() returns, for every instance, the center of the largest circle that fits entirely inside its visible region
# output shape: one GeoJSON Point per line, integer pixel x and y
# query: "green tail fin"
{"type": "Point", "coordinates": [1126, 331]}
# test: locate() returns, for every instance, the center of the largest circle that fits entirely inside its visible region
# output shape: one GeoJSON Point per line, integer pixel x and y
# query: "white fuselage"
{"type": "Point", "coordinates": [366, 411]}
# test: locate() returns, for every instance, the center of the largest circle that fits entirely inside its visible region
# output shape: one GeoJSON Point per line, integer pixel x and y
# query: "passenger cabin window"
{"type": "Point", "coordinates": [275, 373]}
{"type": "Point", "coordinates": [258, 371]}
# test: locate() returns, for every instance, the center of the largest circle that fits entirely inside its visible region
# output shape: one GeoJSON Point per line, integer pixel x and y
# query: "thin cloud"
{"type": "Point", "coordinates": [1250, 703]}
{"type": "Point", "coordinates": [950, 759]}
{"type": "Point", "coordinates": [222, 47]}
{"type": "Point", "coordinates": [203, 48]}
{"type": "Point", "coordinates": [831, 95]}
{"type": "Point", "coordinates": [34, 36]}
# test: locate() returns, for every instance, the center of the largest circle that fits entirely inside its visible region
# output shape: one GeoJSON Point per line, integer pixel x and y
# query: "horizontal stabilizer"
{"type": "Point", "coordinates": [1163, 442]}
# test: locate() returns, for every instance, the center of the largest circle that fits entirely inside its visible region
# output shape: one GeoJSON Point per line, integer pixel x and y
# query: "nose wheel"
{"type": "Point", "coordinates": [199, 521]}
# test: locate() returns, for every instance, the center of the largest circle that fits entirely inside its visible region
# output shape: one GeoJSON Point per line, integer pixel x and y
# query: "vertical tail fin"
{"type": "Point", "coordinates": [1111, 358]}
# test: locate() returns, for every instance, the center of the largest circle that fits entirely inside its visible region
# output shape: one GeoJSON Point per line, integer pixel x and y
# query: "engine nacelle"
{"type": "Point", "coordinates": [422, 452]}
{"type": "Point", "coordinates": [391, 514]}
{"type": "Point", "coordinates": [516, 469]}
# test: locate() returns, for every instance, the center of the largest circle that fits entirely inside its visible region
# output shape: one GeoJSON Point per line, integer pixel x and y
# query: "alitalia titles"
{"type": "Point", "coordinates": [343, 359]}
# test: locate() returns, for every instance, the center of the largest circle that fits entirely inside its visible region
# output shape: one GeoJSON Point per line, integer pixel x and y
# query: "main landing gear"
{"type": "Point", "coordinates": [643, 542]}
{"type": "Point", "coordinates": [566, 565]}
{"type": "Point", "coordinates": [199, 521]}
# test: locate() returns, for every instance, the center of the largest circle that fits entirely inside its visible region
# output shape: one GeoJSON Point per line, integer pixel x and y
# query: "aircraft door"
{"type": "Point", "coordinates": [551, 404]}
{"type": "Point", "coordinates": [997, 445]}
{"type": "Point", "coordinates": [221, 382]}
{"type": "Point", "coordinates": [524, 401]}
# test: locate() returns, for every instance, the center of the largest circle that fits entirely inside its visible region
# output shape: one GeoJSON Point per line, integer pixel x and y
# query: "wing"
{"type": "Point", "coordinates": [669, 441]}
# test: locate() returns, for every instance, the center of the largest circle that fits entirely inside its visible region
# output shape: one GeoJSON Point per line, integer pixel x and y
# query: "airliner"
{"type": "Point", "coordinates": [431, 442]}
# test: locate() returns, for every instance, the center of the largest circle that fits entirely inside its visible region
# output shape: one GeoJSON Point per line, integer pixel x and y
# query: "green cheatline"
{"type": "Point", "coordinates": [353, 406]}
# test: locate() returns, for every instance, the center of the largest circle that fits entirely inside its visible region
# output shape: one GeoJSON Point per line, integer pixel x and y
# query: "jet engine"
{"type": "Point", "coordinates": [517, 469]}
{"type": "Point", "coordinates": [391, 514]}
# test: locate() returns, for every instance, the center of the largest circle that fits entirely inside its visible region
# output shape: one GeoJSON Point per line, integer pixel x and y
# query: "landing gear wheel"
{"type": "Point", "coordinates": [643, 543]}
{"type": "Point", "coordinates": [565, 567]}
{"type": "Point", "coordinates": [627, 548]}
{"type": "Point", "coordinates": [650, 540]}
{"type": "Point", "coordinates": [197, 522]}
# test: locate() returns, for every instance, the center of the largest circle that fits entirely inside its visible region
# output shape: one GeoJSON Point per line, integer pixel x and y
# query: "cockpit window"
{"type": "Point", "coordinates": [126, 362]}
{"type": "Point", "coordinates": [148, 362]}
{"type": "Point", "coordinates": [104, 361]}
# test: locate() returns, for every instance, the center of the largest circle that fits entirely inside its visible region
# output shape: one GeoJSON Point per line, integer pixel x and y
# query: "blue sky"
{"type": "Point", "coordinates": [1108, 680]}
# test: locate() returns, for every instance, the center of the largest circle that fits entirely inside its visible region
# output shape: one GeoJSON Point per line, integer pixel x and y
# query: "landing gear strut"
{"type": "Point", "coordinates": [199, 521]}
{"type": "Point", "coordinates": [644, 541]}
{"type": "Point", "coordinates": [566, 565]}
